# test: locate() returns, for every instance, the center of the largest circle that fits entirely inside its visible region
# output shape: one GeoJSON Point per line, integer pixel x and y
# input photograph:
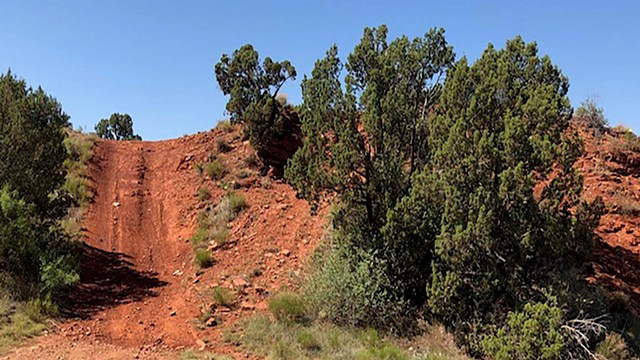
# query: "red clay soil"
{"type": "Point", "coordinates": [611, 170]}
{"type": "Point", "coordinates": [140, 292]}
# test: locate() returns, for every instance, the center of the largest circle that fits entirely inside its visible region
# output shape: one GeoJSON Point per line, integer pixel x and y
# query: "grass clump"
{"type": "Point", "coordinates": [252, 160]}
{"type": "Point", "coordinates": [214, 170]}
{"type": "Point", "coordinates": [19, 321]}
{"type": "Point", "coordinates": [223, 297]}
{"type": "Point", "coordinates": [225, 125]}
{"type": "Point", "coordinates": [277, 340]}
{"type": "Point", "coordinates": [287, 307]}
{"type": "Point", "coordinates": [203, 258]}
{"type": "Point", "coordinates": [200, 355]}
{"type": "Point", "coordinates": [204, 194]}
{"type": "Point", "coordinates": [243, 174]}
{"type": "Point", "coordinates": [235, 203]}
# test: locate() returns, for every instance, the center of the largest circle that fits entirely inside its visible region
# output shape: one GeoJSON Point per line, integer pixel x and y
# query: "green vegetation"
{"type": "Point", "coordinates": [590, 114]}
{"type": "Point", "coordinates": [214, 170]}
{"type": "Point", "coordinates": [287, 307]}
{"type": "Point", "coordinates": [38, 261]}
{"type": "Point", "coordinates": [203, 258]}
{"type": "Point", "coordinates": [434, 175]}
{"type": "Point", "coordinates": [117, 127]}
{"type": "Point", "coordinates": [225, 125]}
{"type": "Point", "coordinates": [223, 297]}
{"type": "Point", "coordinates": [212, 226]}
{"type": "Point", "coordinates": [253, 101]}
{"type": "Point", "coordinates": [204, 194]}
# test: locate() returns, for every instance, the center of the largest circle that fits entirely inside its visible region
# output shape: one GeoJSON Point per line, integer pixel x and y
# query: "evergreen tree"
{"type": "Point", "coordinates": [32, 127]}
{"type": "Point", "coordinates": [253, 88]}
{"type": "Point", "coordinates": [117, 127]}
{"type": "Point", "coordinates": [364, 142]}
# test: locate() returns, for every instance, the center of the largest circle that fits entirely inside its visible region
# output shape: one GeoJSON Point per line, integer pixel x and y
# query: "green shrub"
{"type": "Point", "coordinates": [223, 297]}
{"type": "Point", "coordinates": [236, 203]}
{"type": "Point", "coordinates": [591, 114]}
{"type": "Point", "coordinates": [215, 170]}
{"type": "Point", "coordinates": [287, 306]}
{"type": "Point", "coordinates": [220, 236]}
{"type": "Point", "coordinates": [203, 258]}
{"type": "Point", "coordinates": [352, 289]}
{"type": "Point", "coordinates": [199, 169]}
{"type": "Point", "coordinates": [204, 194]}
{"type": "Point", "coordinates": [223, 145]}
{"type": "Point", "coordinates": [531, 334]}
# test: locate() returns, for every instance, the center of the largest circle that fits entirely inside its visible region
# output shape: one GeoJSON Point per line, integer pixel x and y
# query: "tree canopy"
{"type": "Point", "coordinates": [117, 127]}
{"type": "Point", "coordinates": [253, 88]}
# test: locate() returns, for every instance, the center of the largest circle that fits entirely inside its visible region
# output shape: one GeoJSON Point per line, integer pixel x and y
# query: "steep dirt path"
{"type": "Point", "coordinates": [134, 243]}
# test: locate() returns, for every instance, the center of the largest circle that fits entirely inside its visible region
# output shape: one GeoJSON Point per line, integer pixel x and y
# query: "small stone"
{"type": "Point", "coordinates": [116, 204]}
{"type": "Point", "coordinates": [173, 313]}
{"type": "Point", "coordinates": [211, 322]}
{"type": "Point", "coordinates": [201, 344]}
{"type": "Point", "coordinates": [177, 273]}
{"type": "Point", "coordinates": [239, 282]}
{"type": "Point", "coordinates": [285, 252]}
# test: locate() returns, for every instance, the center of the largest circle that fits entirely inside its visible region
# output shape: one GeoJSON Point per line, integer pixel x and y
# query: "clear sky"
{"type": "Point", "coordinates": [154, 59]}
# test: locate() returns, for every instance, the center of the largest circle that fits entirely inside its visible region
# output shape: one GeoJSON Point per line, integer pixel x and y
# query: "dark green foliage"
{"type": "Point", "coordinates": [364, 142]}
{"type": "Point", "coordinates": [272, 126]}
{"type": "Point", "coordinates": [117, 127]}
{"type": "Point", "coordinates": [32, 251]}
{"type": "Point", "coordinates": [36, 257]}
{"type": "Point", "coordinates": [32, 130]}
{"type": "Point", "coordinates": [436, 182]}
{"type": "Point", "coordinates": [500, 129]}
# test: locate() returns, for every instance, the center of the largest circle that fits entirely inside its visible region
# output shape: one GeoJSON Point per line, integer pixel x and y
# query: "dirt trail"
{"type": "Point", "coordinates": [140, 293]}
{"type": "Point", "coordinates": [134, 244]}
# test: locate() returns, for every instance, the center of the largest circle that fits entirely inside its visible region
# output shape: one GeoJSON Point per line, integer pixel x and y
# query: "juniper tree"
{"type": "Point", "coordinates": [253, 88]}
{"type": "Point", "coordinates": [363, 141]}
{"type": "Point", "coordinates": [501, 130]}
{"type": "Point", "coordinates": [117, 127]}
{"type": "Point", "coordinates": [32, 127]}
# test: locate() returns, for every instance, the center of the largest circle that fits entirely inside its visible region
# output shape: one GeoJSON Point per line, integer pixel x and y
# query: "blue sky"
{"type": "Point", "coordinates": [154, 59]}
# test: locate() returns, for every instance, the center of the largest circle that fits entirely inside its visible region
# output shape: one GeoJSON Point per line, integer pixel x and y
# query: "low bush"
{"type": "Point", "coordinates": [215, 170]}
{"type": "Point", "coordinates": [613, 347]}
{"type": "Point", "coordinates": [223, 297]}
{"type": "Point", "coordinates": [204, 194]}
{"type": "Point", "coordinates": [287, 306]}
{"type": "Point", "coordinates": [236, 203]}
{"type": "Point", "coordinates": [531, 334]}
{"type": "Point", "coordinates": [203, 258]}
{"type": "Point", "coordinates": [252, 160]}
{"type": "Point", "coordinates": [352, 289]}
{"type": "Point", "coordinates": [591, 114]}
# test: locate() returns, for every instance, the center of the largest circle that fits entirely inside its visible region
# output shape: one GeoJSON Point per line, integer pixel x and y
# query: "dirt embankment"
{"type": "Point", "coordinates": [140, 292]}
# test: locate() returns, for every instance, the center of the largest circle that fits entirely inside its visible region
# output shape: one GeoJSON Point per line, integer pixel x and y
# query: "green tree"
{"type": "Point", "coordinates": [32, 131]}
{"type": "Point", "coordinates": [364, 142]}
{"type": "Point", "coordinates": [117, 127]}
{"type": "Point", "coordinates": [501, 130]}
{"type": "Point", "coordinates": [272, 125]}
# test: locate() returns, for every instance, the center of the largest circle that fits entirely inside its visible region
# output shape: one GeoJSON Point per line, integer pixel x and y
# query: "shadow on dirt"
{"type": "Point", "coordinates": [109, 279]}
{"type": "Point", "coordinates": [617, 270]}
